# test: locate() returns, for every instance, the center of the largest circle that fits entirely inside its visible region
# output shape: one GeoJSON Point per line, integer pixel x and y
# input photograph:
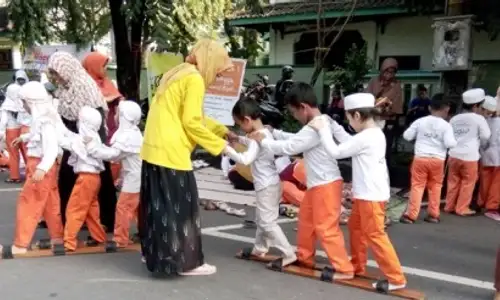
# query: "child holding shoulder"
{"type": "Point", "coordinates": [433, 137]}
{"type": "Point", "coordinates": [471, 130]}
{"type": "Point", "coordinates": [247, 115]}
{"type": "Point", "coordinates": [489, 182]}
{"type": "Point", "coordinates": [35, 199]}
{"type": "Point", "coordinates": [320, 209]}
{"type": "Point", "coordinates": [83, 204]}
{"type": "Point", "coordinates": [370, 189]}
{"type": "Point", "coordinates": [125, 147]}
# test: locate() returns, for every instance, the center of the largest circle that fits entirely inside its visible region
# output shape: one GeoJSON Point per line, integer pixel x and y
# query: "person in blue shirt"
{"type": "Point", "coordinates": [419, 106]}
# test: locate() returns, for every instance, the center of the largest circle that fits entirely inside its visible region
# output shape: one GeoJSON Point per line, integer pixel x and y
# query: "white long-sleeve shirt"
{"type": "Point", "coordinates": [8, 120]}
{"type": "Point", "coordinates": [370, 177]}
{"type": "Point", "coordinates": [490, 156]}
{"type": "Point", "coordinates": [433, 135]}
{"type": "Point", "coordinates": [470, 130]}
{"type": "Point", "coordinates": [130, 172]}
{"type": "Point", "coordinates": [320, 167]}
{"type": "Point", "coordinates": [261, 161]}
{"type": "Point", "coordinates": [24, 118]}
{"type": "Point", "coordinates": [43, 144]}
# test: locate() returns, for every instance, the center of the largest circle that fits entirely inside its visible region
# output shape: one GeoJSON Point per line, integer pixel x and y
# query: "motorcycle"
{"type": "Point", "coordinates": [262, 92]}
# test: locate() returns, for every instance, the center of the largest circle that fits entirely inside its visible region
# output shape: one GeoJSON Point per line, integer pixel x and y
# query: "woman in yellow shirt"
{"type": "Point", "coordinates": [169, 213]}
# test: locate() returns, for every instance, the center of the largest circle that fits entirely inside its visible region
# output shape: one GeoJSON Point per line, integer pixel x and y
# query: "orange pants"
{"type": "Point", "coordinates": [489, 188]}
{"type": "Point", "coordinates": [462, 177]}
{"type": "Point", "coordinates": [425, 173]}
{"type": "Point", "coordinates": [37, 200]}
{"type": "Point", "coordinates": [366, 228]}
{"type": "Point", "coordinates": [319, 217]}
{"type": "Point", "coordinates": [291, 193]}
{"type": "Point", "coordinates": [83, 207]}
{"type": "Point", "coordinates": [115, 171]}
{"type": "Point", "coordinates": [126, 211]}
{"type": "Point", "coordinates": [10, 135]}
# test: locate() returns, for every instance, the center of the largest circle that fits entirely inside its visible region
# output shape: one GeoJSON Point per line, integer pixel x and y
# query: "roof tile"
{"type": "Point", "coordinates": [299, 7]}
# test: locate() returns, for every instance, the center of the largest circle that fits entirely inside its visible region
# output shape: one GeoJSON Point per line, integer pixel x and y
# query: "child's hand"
{"type": "Point", "coordinates": [38, 175]}
{"type": "Point", "coordinates": [16, 142]}
{"type": "Point", "coordinates": [317, 124]}
{"type": "Point", "coordinates": [232, 137]}
{"type": "Point", "coordinates": [256, 136]}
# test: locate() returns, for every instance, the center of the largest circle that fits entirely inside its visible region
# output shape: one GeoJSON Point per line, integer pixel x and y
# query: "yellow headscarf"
{"type": "Point", "coordinates": [207, 57]}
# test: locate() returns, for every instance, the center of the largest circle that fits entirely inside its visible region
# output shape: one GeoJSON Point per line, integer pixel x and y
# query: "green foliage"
{"type": "Point", "coordinates": [30, 22]}
{"type": "Point", "coordinates": [177, 24]}
{"type": "Point", "coordinates": [290, 124]}
{"type": "Point", "coordinates": [487, 12]}
{"type": "Point", "coordinates": [244, 43]}
{"type": "Point", "coordinates": [357, 65]}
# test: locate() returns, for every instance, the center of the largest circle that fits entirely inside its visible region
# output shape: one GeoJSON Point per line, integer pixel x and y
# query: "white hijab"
{"type": "Point", "coordinates": [12, 101]}
{"type": "Point", "coordinates": [128, 137]}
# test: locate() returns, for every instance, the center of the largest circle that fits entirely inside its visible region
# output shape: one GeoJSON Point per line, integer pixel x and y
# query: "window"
{"type": "Point", "coordinates": [405, 63]}
{"type": "Point", "coordinates": [6, 59]}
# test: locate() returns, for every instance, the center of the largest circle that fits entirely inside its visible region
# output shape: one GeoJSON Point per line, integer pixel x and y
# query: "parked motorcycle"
{"type": "Point", "coordinates": [262, 92]}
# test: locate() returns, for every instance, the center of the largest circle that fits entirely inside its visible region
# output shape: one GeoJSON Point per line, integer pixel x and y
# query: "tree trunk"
{"type": "Point", "coordinates": [128, 51]}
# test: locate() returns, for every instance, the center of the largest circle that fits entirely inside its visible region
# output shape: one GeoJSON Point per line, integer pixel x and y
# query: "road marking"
{"type": "Point", "coordinates": [10, 190]}
{"type": "Point", "coordinates": [239, 226]}
{"type": "Point", "coordinates": [212, 231]}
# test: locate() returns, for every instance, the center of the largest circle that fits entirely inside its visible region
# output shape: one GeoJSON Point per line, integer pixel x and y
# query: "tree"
{"type": "Point", "coordinates": [243, 43]}
{"type": "Point", "coordinates": [322, 50]}
{"type": "Point", "coordinates": [172, 24]}
{"type": "Point", "coordinates": [350, 77]}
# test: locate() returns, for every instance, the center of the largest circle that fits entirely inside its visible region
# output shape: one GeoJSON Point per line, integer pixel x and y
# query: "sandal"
{"type": "Point", "coordinates": [202, 270]}
{"type": "Point", "coordinates": [249, 224]}
{"type": "Point", "coordinates": [406, 220]}
{"type": "Point", "coordinates": [236, 212]}
{"type": "Point", "coordinates": [13, 180]}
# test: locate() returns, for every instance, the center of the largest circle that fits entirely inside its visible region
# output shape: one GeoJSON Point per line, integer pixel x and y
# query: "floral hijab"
{"type": "Point", "coordinates": [80, 89]}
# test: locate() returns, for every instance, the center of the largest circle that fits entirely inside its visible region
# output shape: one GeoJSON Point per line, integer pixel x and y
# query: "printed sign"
{"type": "Point", "coordinates": [37, 58]}
{"type": "Point", "coordinates": [223, 94]}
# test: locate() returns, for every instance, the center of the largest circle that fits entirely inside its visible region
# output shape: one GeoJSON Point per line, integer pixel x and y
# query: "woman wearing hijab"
{"type": "Point", "coordinates": [385, 86]}
{"type": "Point", "coordinates": [10, 128]}
{"type": "Point", "coordinates": [75, 90]}
{"type": "Point", "coordinates": [169, 211]}
{"type": "Point", "coordinates": [95, 64]}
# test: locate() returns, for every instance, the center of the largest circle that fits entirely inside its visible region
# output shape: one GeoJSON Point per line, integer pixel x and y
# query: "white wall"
{"type": "Point", "coordinates": [403, 36]}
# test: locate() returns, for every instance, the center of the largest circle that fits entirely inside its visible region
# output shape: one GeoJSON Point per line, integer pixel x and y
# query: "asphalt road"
{"type": "Point", "coordinates": [450, 261]}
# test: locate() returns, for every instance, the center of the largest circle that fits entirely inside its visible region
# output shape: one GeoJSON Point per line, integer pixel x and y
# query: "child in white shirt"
{"type": "Point", "coordinates": [83, 204]}
{"type": "Point", "coordinates": [433, 137]}
{"type": "Point", "coordinates": [470, 129]}
{"type": "Point", "coordinates": [10, 129]}
{"type": "Point", "coordinates": [35, 200]}
{"type": "Point", "coordinates": [320, 209]}
{"type": "Point", "coordinates": [489, 182]}
{"type": "Point", "coordinates": [246, 114]}
{"type": "Point", "coordinates": [370, 189]}
{"type": "Point", "coordinates": [125, 147]}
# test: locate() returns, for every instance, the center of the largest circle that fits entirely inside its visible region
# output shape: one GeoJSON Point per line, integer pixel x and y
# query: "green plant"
{"type": "Point", "coordinates": [350, 77]}
{"type": "Point", "coordinates": [290, 124]}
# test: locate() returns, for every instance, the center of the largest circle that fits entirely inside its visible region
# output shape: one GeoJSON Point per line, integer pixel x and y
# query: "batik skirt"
{"type": "Point", "coordinates": [169, 220]}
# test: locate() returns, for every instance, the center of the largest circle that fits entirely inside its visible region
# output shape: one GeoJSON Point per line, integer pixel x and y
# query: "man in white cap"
{"type": "Point", "coordinates": [470, 129]}
{"type": "Point", "coordinates": [370, 189]}
{"type": "Point", "coordinates": [489, 197]}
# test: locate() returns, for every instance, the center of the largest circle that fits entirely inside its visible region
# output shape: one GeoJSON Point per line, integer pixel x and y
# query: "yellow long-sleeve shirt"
{"type": "Point", "coordinates": [175, 125]}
